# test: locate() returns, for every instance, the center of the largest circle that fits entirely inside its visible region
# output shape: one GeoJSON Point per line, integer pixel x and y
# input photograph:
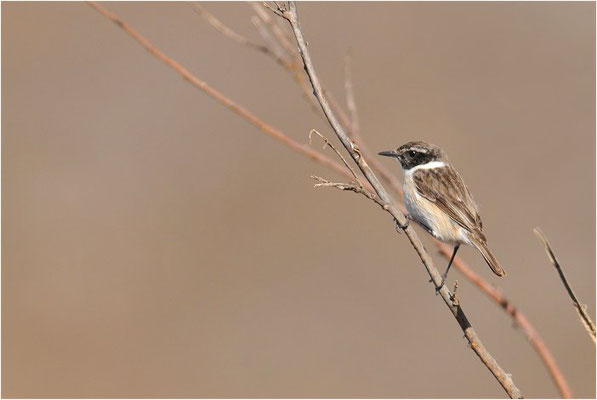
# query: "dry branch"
{"type": "Point", "coordinates": [276, 30]}
{"type": "Point", "coordinates": [518, 317]}
{"type": "Point", "coordinates": [340, 156]}
{"type": "Point", "coordinates": [221, 98]}
{"type": "Point", "coordinates": [280, 49]}
{"type": "Point", "coordinates": [226, 31]}
{"type": "Point", "coordinates": [580, 308]}
{"type": "Point", "coordinates": [349, 187]}
{"type": "Point", "coordinates": [350, 99]}
{"type": "Point", "coordinates": [290, 14]}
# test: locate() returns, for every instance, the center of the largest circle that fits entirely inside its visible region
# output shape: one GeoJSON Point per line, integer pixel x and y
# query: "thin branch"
{"type": "Point", "coordinates": [376, 164]}
{"type": "Point", "coordinates": [277, 10]}
{"type": "Point", "coordinates": [350, 98]}
{"type": "Point", "coordinates": [278, 36]}
{"type": "Point", "coordinates": [280, 49]}
{"type": "Point", "coordinates": [275, 28]}
{"type": "Point", "coordinates": [328, 143]}
{"type": "Point", "coordinates": [277, 39]}
{"type": "Point", "coordinates": [221, 98]}
{"type": "Point", "coordinates": [226, 31]}
{"type": "Point", "coordinates": [518, 316]}
{"type": "Point", "coordinates": [580, 308]}
{"type": "Point", "coordinates": [276, 51]}
{"type": "Point", "coordinates": [349, 187]}
{"type": "Point", "coordinates": [455, 293]}
{"type": "Point", "coordinates": [503, 378]}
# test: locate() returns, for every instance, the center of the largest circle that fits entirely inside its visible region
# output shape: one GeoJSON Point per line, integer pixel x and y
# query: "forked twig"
{"type": "Point", "coordinates": [283, 51]}
{"type": "Point", "coordinates": [276, 30]}
{"type": "Point", "coordinates": [220, 97]}
{"type": "Point", "coordinates": [328, 143]}
{"type": "Point", "coordinates": [278, 10]}
{"type": "Point", "coordinates": [350, 187]}
{"type": "Point", "coordinates": [581, 309]}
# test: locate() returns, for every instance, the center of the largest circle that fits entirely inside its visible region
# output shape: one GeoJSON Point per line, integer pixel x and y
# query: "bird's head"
{"type": "Point", "coordinates": [413, 154]}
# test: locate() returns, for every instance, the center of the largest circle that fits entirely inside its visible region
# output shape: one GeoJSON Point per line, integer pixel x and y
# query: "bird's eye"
{"type": "Point", "coordinates": [412, 153]}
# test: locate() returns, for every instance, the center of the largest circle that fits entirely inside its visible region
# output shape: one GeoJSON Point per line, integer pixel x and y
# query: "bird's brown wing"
{"type": "Point", "coordinates": [444, 187]}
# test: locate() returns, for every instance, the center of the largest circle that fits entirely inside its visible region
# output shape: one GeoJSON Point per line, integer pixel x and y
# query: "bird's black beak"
{"type": "Point", "coordinates": [391, 153]}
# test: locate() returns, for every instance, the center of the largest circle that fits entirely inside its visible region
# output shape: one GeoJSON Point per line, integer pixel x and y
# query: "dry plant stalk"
{"type": "Point", "coordinates": [226, 31]}
{"type": "Point", "coordinates": [517, 316]}
{"type": "Point", "coordinates": [492, 292]}
{"type": "Point", "coordinates": [220, 97]}
{"type": "Point", "coordinates": [580, 308]}
{"type": "Point", "coordinates": [340, 156]}
{"type": "Point", "coordinates": [350, 99]}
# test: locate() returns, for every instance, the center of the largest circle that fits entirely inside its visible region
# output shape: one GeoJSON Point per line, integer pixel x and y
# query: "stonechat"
{"type": "Point", "coordinates": [436, 198]}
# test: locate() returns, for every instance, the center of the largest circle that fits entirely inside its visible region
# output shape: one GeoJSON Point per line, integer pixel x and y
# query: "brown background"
{"type": "Point", "coordinates": [157, 245]}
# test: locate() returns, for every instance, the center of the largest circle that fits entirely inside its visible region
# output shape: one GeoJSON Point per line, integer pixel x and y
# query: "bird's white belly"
{"type": "Point", "coordinates": [432, 217]}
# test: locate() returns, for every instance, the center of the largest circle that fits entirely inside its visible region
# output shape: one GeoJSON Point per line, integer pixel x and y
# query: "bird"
{"type": "Point", "coordinates": [437, 199]}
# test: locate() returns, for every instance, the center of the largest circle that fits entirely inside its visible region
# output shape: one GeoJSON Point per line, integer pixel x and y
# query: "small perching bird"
{"type": "Point", "coordinates": [437, 199]}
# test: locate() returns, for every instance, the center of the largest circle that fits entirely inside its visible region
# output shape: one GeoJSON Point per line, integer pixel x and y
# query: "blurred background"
{"type": "Point", "coordinates": [157, 245]}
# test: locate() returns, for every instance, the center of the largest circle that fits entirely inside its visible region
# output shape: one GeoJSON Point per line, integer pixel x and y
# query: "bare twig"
{"type": "Point", "coordinates": [275, 28]}
{"type": "Point", "coordinates": [580, 308]}
{"type": "Point", "coordinates": [221, 98]}
{"type": "Point", "coordinates": [328, 143]}
{"type": "Point", "coordinates": [518, 316]}
{"type": "Point", "coordinates": [280, 49]}
{"type": "Point", "coordinates": [226, 31]}
{"type": "Point", "coordinates": [287, 55]}
{"type": "Point", "coordinates": [349, 187]}
{"type": "Point", "coordinates": [455, 300]}
{"type": "Point", "coordinates": [350, 98]}
{"type": "Point", "coordinates": [276, 10]}
{"type": "Point", "coordinates": [277, 36]}
{"type": "Point", "coordinates": [503, 378]}
{"type": "Point", "coordinates": [277, 52]}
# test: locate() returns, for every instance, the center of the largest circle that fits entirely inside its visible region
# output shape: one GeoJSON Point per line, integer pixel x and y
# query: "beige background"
{"type": "Point", "coordinates": [157, 245]}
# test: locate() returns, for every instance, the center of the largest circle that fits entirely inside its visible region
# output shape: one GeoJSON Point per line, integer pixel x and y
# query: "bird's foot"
{"type": "Point", "coordinates": [441, 285]}
{"type": "Point", "coordinates": [400, 227]}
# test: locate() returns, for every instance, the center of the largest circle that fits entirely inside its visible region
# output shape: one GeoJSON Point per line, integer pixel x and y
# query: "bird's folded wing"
{"type": "Point", "coordinates": [445, 188]}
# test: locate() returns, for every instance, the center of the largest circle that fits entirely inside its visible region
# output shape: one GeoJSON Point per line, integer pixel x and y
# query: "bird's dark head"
{"type": "Point", "coordinates": [412, 154]}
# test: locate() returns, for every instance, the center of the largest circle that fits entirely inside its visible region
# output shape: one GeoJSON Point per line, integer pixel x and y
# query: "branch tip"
{"type": "Point", "coordinates": [586, 321]}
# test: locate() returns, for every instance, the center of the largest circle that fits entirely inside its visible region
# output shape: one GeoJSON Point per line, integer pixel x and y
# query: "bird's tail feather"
{"type": "Point", "coordinates": [490, 258]}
